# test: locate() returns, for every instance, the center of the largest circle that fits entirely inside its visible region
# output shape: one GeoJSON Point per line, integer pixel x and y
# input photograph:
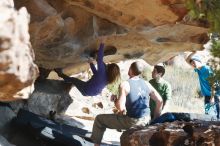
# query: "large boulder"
{"type": "Point", "coordinates": [174, 134]}
{"type": "Point", "coordinates": [48, 97]}
{"type": "Point", "coordinates": [64, 32]}
{"type": "Point", "coordinates": [17, 69]}
{"type": "Point", "coordinates": [7, 114]}
{"type": "Point", "coordinates": [4, 142]}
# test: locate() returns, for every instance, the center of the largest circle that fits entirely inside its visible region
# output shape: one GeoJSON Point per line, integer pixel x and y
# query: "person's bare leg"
{"type": "Point", "coordinates": [96, 144]}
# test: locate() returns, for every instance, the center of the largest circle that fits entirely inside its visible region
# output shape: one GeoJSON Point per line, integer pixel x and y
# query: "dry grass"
{"type": "Point", "coordinates": [185, 89]}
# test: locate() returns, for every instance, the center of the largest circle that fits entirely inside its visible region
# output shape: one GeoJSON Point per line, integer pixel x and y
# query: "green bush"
{"type": "Point", "coordinates": [206, 10]}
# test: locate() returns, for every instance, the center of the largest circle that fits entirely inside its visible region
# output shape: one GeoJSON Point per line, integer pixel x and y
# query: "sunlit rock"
{"type": "Point", "coordinates": [174, 134]}
{"type": "Point", "coordinates": [63, 33]}
{"type": "Point", "coordinates": [17, 69]}
{"type": "Point", "coordinates": [4, 142]}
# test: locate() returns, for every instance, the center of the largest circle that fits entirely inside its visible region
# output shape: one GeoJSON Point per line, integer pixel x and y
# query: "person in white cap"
{"type": "Point", "coordinates": [204, 72]}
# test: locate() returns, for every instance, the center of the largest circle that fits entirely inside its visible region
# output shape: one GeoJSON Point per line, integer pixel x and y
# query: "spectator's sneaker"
{"type": "Point", "coordinates": [210, 109]}
{"type": "Point", "coordinates": [207, 108]}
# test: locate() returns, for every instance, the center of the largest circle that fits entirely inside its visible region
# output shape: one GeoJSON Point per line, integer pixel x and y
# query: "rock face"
{"type": "Point", "coordinates": [4, 142]}
{"type": "Point", "coordinates": [6, 116]}
{"type": "Point", "coordinates": [17, 69]}
{"type": "Point", "coordinates": [178, 133]}
{"type": "Point", "coordinates": [49, 96]}
{"type": "Point", "coordinates": [64, 32]}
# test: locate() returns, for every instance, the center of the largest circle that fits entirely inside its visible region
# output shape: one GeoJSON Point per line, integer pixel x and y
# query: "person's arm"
{"type": "Point", "coordinates": [120, 101]}
{"type": "Point", "coordinates": [100, 56]}
{"type": "Point", "coordinates": [159, 102]}
{"type": "Point", "coordinates": [92, 66]}
{"type": "Point", "coordinates": [189, 57]}
{"type": "Point", "coordinates": [207, 72]}
{"type": "Point", "coordinates": [167, 95]}
{"type": "Point", "coordinates": [154, 95]}
{"type": "Point", "coordinates": [100, 62]}
{"type": "Point", "coordinates": [166, 107]}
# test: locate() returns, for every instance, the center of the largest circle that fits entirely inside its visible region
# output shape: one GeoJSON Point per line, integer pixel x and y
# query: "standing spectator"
{"type": "Point", "coordinates": [204, 72]}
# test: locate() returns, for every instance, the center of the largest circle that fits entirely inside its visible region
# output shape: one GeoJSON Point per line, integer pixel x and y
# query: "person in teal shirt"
{"type": "Point", "coordinates": [162, 86]}
{"type": "Point", "coordinates": [204, 72]}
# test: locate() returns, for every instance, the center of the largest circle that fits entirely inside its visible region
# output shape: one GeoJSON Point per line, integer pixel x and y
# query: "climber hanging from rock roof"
{"type": "Point", "coordinates": [103, 75]}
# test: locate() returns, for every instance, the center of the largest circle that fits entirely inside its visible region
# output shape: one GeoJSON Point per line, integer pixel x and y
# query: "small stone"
{"type": "Point", "coordinates": [86, 110]}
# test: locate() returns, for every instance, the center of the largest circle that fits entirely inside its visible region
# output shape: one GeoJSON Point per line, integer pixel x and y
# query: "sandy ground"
{"type": "Point", "coordinates": [111, 136]}
{"type": "Point", "coordinates": [81, 113]}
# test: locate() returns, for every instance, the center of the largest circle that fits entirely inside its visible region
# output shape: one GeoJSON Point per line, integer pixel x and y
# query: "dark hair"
{"type": "Point", "coordinates": [113, 72]}
{"type": "Point", "coordinates": [190, 61]}
{"type": "Point", "coordinates": [137, 68]}
{"type": "Point", "coordinates": [160, 69]}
